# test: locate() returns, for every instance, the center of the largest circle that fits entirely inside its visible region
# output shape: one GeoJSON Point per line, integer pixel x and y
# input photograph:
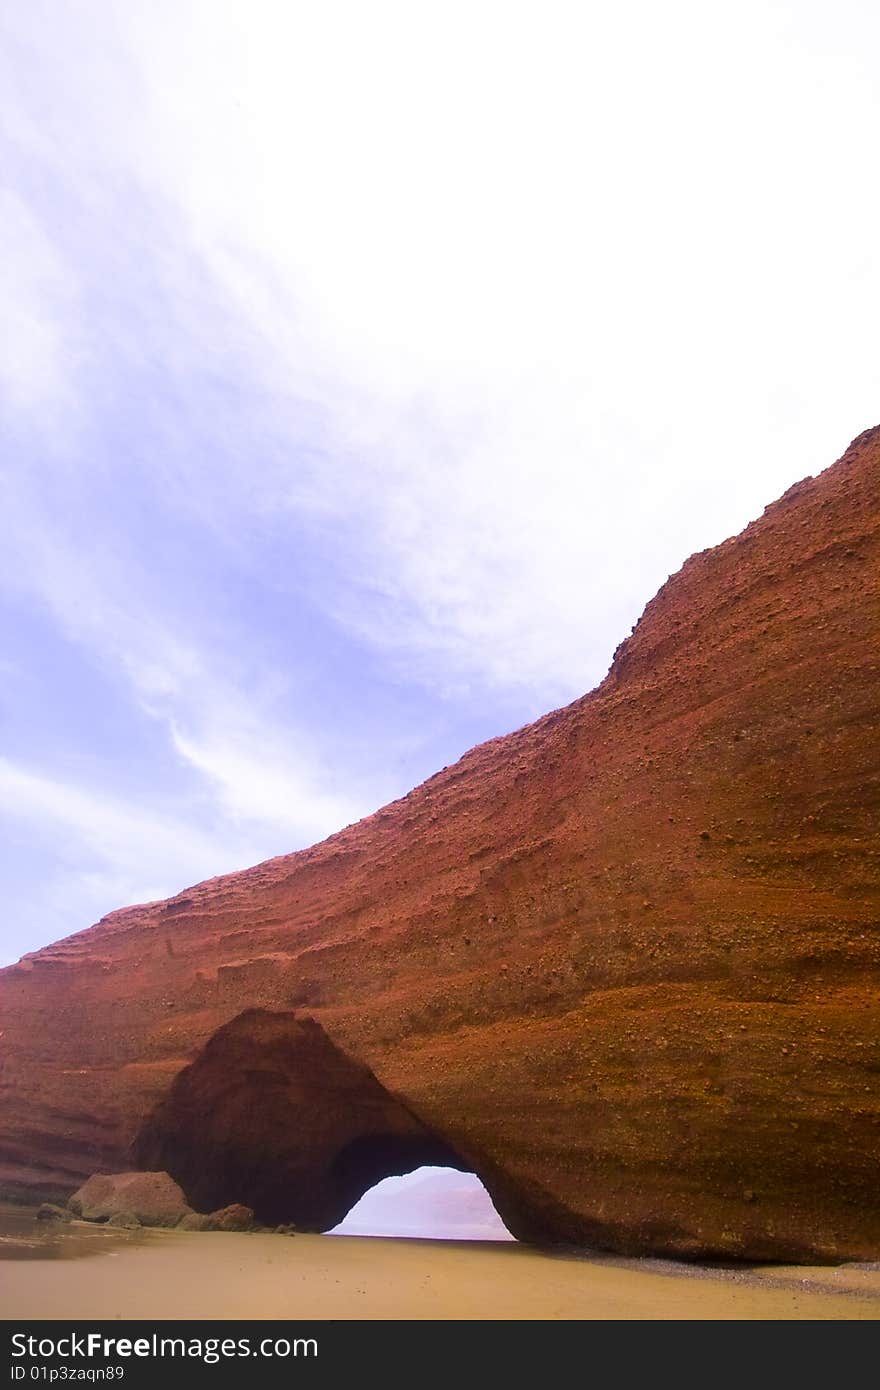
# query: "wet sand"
{"type": "Point", "coordinates": [79, 1271]}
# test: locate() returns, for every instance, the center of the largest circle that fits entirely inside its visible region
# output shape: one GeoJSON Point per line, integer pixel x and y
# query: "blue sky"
{"type": "Point", "coordinates": [367, 368]}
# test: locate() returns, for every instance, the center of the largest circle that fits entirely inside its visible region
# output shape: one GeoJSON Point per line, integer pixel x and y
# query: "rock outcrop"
{"type": "Point", "coordinates": [623, 963]}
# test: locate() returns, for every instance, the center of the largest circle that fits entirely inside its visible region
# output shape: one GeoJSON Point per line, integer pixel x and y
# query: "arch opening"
{"type": "Point", "coordinates": [429, 1203]}
{"type": "Point", "coordinates": [273, 1114]}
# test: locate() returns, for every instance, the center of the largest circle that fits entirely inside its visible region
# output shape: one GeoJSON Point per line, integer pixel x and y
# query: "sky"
{"type": "Point", "coordinates": [367, 368]}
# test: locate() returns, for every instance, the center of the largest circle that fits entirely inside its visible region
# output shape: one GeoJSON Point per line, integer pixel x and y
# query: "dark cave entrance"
{"type": "Point", "coordinates": [274, 1115]}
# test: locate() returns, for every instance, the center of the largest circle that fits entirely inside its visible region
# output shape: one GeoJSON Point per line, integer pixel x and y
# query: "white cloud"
{"type": "Point", "coordinates": [259, 780]}
{"type": "Point", "coordinates": [230, 737]}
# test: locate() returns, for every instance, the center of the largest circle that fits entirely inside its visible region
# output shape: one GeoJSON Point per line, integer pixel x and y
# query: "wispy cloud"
{"type": "Point", "coordinates": [221, 725]}
{"type": "Point", "coordinates": [258, 782]}
{"type": "Point", "coordinates": [148, 847]}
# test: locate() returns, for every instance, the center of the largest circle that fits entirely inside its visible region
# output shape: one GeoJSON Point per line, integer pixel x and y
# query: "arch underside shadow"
{"type": "Point", "coordinates": [274, 1115]}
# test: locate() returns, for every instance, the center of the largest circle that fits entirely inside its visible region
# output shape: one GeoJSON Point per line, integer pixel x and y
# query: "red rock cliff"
{"type": "Point", "coordinates": [623, 963]}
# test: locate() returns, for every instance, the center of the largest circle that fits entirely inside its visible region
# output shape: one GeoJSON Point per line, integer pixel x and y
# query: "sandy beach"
{"type": "Point", "coordinates": [83, 1272]}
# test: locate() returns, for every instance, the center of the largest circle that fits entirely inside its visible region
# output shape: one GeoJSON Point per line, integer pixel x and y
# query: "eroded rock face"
{"type": "Point", "coordinates": [623, 963]}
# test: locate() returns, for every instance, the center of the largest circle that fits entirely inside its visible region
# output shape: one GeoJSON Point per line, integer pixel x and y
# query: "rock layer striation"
{"type": "Point", "coordinates": [623, 963]}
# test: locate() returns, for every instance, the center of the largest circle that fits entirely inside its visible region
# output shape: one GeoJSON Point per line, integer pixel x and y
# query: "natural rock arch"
{"type": "Point", "coordinates": [625, 962]}
{"type": "Point", "coordinates": [274, 1115]}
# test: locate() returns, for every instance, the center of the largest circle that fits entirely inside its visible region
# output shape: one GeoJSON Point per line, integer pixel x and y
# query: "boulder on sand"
{"type": "Point", "coordinates": [154, 1199]}
{"type": "Point", "coordinates": [232, 1218]}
